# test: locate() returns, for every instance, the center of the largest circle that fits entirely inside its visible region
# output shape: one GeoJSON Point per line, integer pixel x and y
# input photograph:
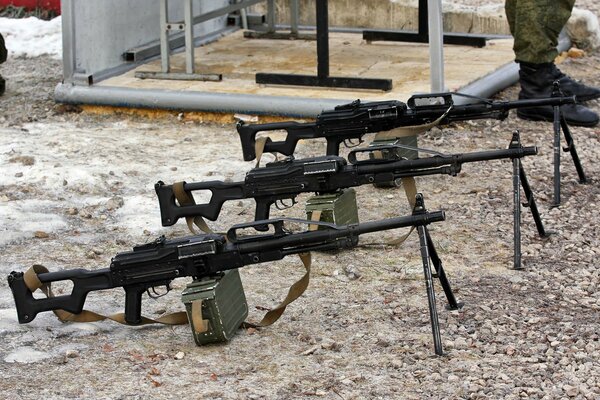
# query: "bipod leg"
{"type": "Point", "coordinates": [435, 323]}
{"type": "Point", "coordinates": [517, 213]}
{"type": "Point", "coordinates": [572, 150]}
{"type": "Point", "coordinates": [535, 213]}
{"type": "Point", "coordinates": [425, 256]}
{"type": "Point", "coordinates": [556, 148]}
{"type": "Point", "coordinates": [441, 274]}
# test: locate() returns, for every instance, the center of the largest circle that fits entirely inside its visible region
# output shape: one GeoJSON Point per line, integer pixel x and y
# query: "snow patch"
{"type": "Point", "coordinates": [138, 214]}
{"type": "Point", "coordinates": [32, 37]}
{"type": "Point", "coordinates": [9, 321]}
{"type": "Point", "coordinates": [20, 219]}
{"type": "Point", "coordinates": [26, 355]}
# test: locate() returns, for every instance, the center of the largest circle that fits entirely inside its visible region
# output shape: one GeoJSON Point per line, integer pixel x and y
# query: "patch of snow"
{"type": "Point", "coordinates": [26, 355]}
{"type": "Point", "coordinates": [32, 37]}
{"type": "Point", "coordinates": [20, 219]}
{"type": "Point", "coordinates": [9, 321]}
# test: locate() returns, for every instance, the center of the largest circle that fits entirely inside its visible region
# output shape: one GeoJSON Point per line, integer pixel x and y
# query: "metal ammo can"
{"type": "Point", "coordinates": [396, 154]}
{"type": "Point", "coordinates": [216, 307]}
{"type": "Point", "coordinates": [339, 208]}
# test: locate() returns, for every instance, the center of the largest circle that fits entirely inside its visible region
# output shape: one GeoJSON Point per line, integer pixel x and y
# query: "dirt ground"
{"type": "Point", "coordinates": [78, 188]}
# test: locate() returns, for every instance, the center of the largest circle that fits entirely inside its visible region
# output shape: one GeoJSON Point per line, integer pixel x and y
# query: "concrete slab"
{"type": "Point", "coordinates": [239, 59]}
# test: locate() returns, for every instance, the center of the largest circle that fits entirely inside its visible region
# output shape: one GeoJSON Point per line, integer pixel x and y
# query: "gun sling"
{"type": "Point", "coordinates": [186, 199]}
{"type": "Point", "coordinates": [33, 283]}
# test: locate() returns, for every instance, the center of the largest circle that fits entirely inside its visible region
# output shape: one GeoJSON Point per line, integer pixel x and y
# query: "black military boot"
{"type": "Point", "coordinates": [536, 82]}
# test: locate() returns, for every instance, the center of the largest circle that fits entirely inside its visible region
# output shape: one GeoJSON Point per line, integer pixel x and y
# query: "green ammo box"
{"type": "Point", "coordinates": [397, 154]}
{"type": "Point", "coordinates": [216, 307]}
{"type": "Point", "coordinates": [339, 208]}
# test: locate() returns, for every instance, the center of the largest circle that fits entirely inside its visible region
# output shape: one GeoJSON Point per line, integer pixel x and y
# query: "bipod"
{"type": "Point", "coordinates": [560, 122]}
{"type": "Point", "coordinates": [520, 180]}
{"type": "Point", "coordinates": [429, 254]}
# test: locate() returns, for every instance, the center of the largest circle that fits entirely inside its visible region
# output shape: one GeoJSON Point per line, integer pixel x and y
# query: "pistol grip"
{"type": "Point", "coordinates": [133, 304]}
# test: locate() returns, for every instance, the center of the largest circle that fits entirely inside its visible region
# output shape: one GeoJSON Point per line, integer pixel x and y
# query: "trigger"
{"type": "Point", "coordinates": [349, 143]}
{"type": "Point", "coordinates": [155, 294]}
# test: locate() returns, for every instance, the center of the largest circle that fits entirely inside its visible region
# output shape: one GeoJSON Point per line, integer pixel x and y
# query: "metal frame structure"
{"type": "Point", "coordinates": [187, 27]}
{"type": "Point", "coordinates": [323, 79]}
{"type": "Point", "coordinates": [423, 33]}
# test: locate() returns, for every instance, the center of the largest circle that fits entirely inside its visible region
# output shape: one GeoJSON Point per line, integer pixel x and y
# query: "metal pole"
{"type": "Point", "coordinates": [322, 38]}
{"type": "Point", "coordinates": [271, 16]}
{"type": "Point", "coordinates": [164, 36]}
{"type": "Point", "coordinates": [189, 36]}
{"type": "Point", "coordinates": [436, 46]}
{"type": "Point", "coordinates": [68, 38]}
{"type": "Point", "coordinates": [294, 11]}
{"type": "Point", "coordinates": [243, 16]}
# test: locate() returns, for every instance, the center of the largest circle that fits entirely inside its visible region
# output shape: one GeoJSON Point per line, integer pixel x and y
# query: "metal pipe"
{"type": "Point", "coordinates": [68, 39]}
{"type": "Point", "coordinates": [193, 101]}
{"type": "Point", "coordinates": [436, 46]}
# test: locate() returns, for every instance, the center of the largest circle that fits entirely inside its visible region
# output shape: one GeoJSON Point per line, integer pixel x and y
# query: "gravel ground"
{"type": "Point", "coordinates": [77, 188]}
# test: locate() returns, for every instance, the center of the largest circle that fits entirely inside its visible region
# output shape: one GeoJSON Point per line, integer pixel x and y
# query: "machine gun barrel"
{"type": "Point", "coordinates": [424, 164]}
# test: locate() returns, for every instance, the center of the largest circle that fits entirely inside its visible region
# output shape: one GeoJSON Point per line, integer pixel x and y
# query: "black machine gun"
{"type": "Point", "coordinates": [352, 121]}
{"type": "Point", "coordinates": [157, 263]}
{"type": "Point", "coordinates": [284, 180]}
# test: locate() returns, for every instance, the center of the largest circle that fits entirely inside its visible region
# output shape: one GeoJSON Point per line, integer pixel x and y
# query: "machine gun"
{"type": "Point", "coordinates": [157, 263]}
{"type": "Point", "coordinates": [352, 121]}
{"type": "Point", "coordinates": [284, 180]}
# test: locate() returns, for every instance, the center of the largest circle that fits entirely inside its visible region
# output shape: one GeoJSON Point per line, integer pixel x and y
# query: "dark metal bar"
{"type": "Point", "coordinates": [464, 39]}
{"type": "Point", "coordinates": [441, 274]}
{"type": "Point", "coordinates": [179, 76]}
{"type": "Point", "coordinates": [328, 81]}
{"type": "Point", "coordinates": [423, 28]}
{"type": "Point", "coordinates": [322, 38]}
{"type": "Point", "coordinates": [435, 323]}
{"type": "Point", "coordinates": [572, 150]}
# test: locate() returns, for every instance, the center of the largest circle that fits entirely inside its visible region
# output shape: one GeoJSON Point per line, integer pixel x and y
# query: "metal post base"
{"type": "Point", "coordinates": [179, 76]}
{"type": "Point", "coordinates": [463, 39]}
{"type": "Point", "coordinates": [327, 81]}
{"type": "Point", "coordinates": [279, 35]}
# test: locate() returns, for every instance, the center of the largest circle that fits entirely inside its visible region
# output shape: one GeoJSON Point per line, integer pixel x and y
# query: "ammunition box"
{"type": "Point", "coordinates": [397, 154]}
{"type": "Point", "coordinates": [216, 307]}
{"type": "Point", "coordinates": [339, 208]}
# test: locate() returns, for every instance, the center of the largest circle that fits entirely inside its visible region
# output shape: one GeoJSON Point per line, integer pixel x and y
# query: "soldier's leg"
{"type": "Point", "coordinates": [535, 25]}
{"type": "Point", "coordinates": [3, 56]}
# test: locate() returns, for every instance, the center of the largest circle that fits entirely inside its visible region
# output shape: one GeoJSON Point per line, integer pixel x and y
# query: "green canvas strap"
{"type": "Point", "coordinates": [33, 283]}
{"type": "Point", "coordinates": [404, 131]}
{"type": "Point", "coordinates": [185, 198]}
{"type": "Point", "coordinates": [295, 291]}
{"type": "Point", "coordinates": [259, 148]}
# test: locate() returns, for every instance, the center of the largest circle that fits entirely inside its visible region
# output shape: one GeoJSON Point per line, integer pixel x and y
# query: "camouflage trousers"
{"type": "Point", "coordinates": [535, 25]}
